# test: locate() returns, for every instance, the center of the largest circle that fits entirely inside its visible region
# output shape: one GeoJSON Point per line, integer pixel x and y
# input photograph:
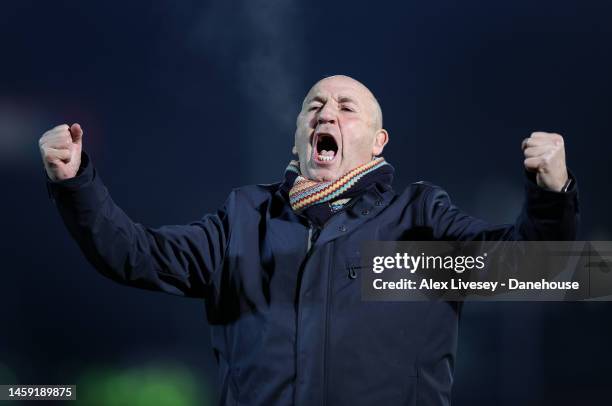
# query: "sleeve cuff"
{"type": "Point", "coordinates": [549, 204]}
{"type": "Point", "coordinates": [84, 176]}
{"type": "Point", "coordinates": [568, 188]}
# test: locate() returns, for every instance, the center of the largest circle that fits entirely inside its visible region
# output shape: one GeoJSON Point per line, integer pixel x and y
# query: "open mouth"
{"type": "Point", "coordinates": [325, 148]}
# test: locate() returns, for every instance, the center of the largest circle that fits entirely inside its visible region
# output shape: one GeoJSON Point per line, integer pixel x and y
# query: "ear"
{"type": "Point", "coordinates": [294, 150]}
{"type": "Point", "coordinates": [380, 140]}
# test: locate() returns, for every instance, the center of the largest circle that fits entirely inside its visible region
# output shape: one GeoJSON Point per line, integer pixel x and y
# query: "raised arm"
{"type": "Point", "coordinates": [550, 211]}
{"type": "Point", "coordinates": [178, 259]}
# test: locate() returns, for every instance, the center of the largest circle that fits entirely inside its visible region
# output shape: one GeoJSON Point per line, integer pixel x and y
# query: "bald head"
{"type": "Point", "coordinates": [338, 129]}
{"type": "Point", "coordinates": [374, 106]}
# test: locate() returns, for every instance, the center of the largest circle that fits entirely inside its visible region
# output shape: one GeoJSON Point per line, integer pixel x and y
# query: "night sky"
{"type": "Point", "coordinates": [183, 101]}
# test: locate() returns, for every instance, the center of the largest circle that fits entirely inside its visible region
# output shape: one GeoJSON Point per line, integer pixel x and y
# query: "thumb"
{"type": "Point", "coordinates": [76, 132]}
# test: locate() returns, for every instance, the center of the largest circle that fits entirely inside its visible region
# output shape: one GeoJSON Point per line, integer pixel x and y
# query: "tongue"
{"type": "Point", "coordinates": [327, 153]}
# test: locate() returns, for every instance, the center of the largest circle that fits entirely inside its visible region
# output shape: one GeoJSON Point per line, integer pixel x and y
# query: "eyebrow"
{"type": "Point", "coordinates": [341, 99]}
{"type": "Point", "coordinates": [346, 99]}
{"type": "Point", "coordinates": [319, 99]}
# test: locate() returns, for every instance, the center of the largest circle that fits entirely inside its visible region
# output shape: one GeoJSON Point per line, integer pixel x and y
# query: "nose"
{"type": "Point", "coordinates": [326, 115]}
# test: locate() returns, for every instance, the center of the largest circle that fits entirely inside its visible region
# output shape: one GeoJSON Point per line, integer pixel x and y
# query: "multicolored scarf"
{"type": "Point", "coordinates": [320, 200]}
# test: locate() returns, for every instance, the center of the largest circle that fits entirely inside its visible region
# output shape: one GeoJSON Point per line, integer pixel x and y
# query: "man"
{"type": "Point", "coordinates": [278, 265]}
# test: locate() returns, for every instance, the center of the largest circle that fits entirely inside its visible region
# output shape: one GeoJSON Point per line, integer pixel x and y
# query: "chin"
{"type": "Point", "coordinates": [323, 175]}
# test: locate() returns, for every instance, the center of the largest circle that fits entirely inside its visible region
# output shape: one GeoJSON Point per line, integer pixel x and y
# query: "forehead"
{"type": "Point", "coordinates": [338, 87]}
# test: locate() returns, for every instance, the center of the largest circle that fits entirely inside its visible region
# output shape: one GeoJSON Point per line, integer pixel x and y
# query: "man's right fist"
{"type": "Point", "coordinates": [61, 148]}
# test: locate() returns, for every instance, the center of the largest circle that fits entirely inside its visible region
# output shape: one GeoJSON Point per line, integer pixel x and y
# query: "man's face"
{"type": "Point", "coordinates": [338, 129]}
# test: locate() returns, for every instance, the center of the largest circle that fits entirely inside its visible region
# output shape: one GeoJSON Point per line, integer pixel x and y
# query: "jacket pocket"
{"type": "Point", "coordinates": [353, 267]}
{"type": "Point", "coordinates": [347, 275]}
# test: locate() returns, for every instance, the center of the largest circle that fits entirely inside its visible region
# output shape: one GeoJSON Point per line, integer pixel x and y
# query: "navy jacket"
{"type": "Point", "coordinates": [288, 323]}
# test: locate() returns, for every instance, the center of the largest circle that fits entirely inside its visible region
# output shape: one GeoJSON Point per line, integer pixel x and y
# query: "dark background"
{"type": "Point", "coordinates": [182, 101]}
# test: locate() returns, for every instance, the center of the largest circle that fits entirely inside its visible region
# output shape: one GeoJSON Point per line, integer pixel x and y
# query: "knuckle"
{"type": "Point", "coordinates": [61, 140]}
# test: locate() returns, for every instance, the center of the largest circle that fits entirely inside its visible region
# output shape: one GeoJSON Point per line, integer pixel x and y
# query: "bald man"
{"type": "Point", "coordinates": [278, 265]}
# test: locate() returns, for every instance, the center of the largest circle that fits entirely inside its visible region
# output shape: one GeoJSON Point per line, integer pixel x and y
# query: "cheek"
{"type": "Point", "coordinates": [357, 146]}
{"type": "Point", "coordinates": [353, 128]}
{"type": "Point", "coordinates": [306, 121]}
{"type": "Point", "coordinates": [301, 136]}
{"type": "Point", "coordinates": [302, 143]}
{"type": "Point", "coordinates": [355, 136]}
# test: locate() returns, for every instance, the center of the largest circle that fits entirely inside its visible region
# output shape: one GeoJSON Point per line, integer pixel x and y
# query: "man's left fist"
{"type": "Point", "coordinates": [545, 155]}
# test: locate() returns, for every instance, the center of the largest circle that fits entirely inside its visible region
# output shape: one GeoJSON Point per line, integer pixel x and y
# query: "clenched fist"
{"type": "Point", "coordinates": [61, 148]}
{"type": "Point", "coordinates": [545, 155]}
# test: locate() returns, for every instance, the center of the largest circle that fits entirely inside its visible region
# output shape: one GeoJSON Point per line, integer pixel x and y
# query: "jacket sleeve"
{"type": "Point", "coordinates": [176, 259]}
{"type": "Point", "coordinates": [546, 216]}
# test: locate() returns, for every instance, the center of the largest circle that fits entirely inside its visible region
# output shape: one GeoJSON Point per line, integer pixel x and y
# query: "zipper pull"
{"type": "Point", "coordinates": [310, 233]}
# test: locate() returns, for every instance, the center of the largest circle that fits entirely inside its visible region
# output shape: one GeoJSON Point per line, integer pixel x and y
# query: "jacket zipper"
{"type": "Point", "coordinates": [326, 335]}
{"type": "Point", "coordinates": [308, 249]}
{"type": "Point", "coordinates": [309, 243]}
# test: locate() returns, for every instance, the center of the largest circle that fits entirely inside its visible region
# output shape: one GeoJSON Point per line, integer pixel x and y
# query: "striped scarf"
{"type": "Point", "coordinates": [305, 193]}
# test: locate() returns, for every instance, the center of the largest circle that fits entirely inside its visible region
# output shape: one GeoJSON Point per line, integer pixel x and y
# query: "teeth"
{"type": "Point", "coordinates": [325, 158]}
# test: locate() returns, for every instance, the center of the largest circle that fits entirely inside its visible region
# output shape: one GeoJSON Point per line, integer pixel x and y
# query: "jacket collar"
{"type": "Point", "coordinates": [363, 208]}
